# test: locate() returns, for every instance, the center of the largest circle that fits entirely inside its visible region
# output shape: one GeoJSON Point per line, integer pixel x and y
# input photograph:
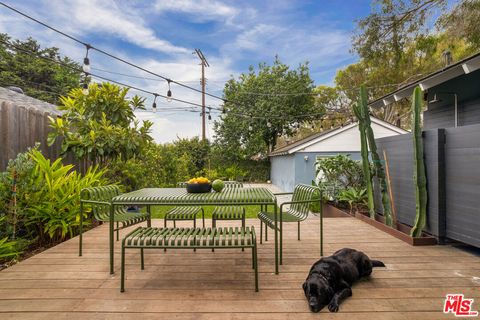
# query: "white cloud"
{"type": "Point", "coordinates": [200, 10]}
{"type": "Point", "coordinates": [81, 16]}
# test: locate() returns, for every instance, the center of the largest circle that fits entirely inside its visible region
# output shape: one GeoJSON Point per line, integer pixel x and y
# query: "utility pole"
{"type": "Point", "coordinates": [203, 63]}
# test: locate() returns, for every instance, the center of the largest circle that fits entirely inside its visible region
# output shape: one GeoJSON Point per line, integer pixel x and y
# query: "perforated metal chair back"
{"type": "Point", "coordinates": [303, 192]}
{"type": "Point", "coordinates": [101, 212]}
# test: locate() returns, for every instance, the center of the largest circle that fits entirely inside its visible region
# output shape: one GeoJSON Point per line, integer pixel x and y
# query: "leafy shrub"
{"type": "Point", "coordinates": [55, 207]}
{"type": "Point", "coordinates": [47, 199]}
{"type": "Point", "coordinates": [157, 166]}
{"type": "Point", "coordinates": [355, 197]}
{"type": "Point", "coordinates": [338, 173]}
{"type": "Point", "coordinates": [100, 125]}
{"type": "Point", "coordinates": [9, 249]}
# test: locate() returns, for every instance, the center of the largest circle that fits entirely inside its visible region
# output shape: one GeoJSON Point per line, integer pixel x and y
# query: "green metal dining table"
{"type": "Point", "coordinates": [149, 197]}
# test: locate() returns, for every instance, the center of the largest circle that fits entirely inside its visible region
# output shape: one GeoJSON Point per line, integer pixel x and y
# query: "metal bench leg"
{"type": "Point", "coordinates": [266, 232]}
{"type": "Point", "coordinates": [261, 231]}
{"type": "Point", "coordinates": [298, 230]}
{"type": "Point", "coordinates": [203, 218]}
{"type": "Point", "coordinates": [255, 266]}
{"type": "Point", "coordinates": [142, 261]}
{"type": "Point", "coordinates": [118, 232]}
{"type": "Point", "coordinates": [122, 281]}
{"type": "Point", "coordinates": [80, 236]}
{"type": "Point", "coordinates": [174, 224]}
{"type": "Point", "coordinates": [195, 226]}
{"type": "Point", "coordinates": [281, 240]}
{"type": "Point", "coordinates": [111, 241]}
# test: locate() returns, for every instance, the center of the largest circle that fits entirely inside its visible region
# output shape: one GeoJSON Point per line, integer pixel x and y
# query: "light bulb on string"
{"type": "Point", "coordinates": [154, 105]}
{"type": "Point", "coordinates": [269, 124]}
{"type": "Point", "coordinates": [209, 113]}
{"type": "Point", "coordinates": [86, 62]}
{"type": "Point", "coordinates": [250, 128]}
{"type": "Point", "coordinates": [169, 92]}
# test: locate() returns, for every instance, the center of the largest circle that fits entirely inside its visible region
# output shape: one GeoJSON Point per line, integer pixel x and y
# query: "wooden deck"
{"type": "Point", "coordinates": [57, 284]}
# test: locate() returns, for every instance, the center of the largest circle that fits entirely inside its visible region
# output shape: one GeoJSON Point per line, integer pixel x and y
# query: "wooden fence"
{"type": "Point", "coordinates": [22, 127]}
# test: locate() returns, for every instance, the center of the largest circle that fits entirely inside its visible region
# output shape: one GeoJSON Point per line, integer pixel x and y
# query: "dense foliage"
{"type": "Point", "coordinates": [396, 45]}
{"type": "Point", "coordinates": [45, 207]}
{"type": "Point", "coordinates": [39, 78]}
{"type": "Point", "coordinates": [337, 175]}
{"type": "Point", "coordinates": [244, 132]}
{"type": "Point", "coordinates": [87, 131]}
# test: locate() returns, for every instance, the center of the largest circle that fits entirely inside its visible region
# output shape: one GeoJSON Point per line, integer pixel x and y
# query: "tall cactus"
{"type": "Point", "coordinates": [419, 175]}
{"type": "Point", "coordinates": [365, 162]}
{"type": "Point", "coordinates": [379, 172]}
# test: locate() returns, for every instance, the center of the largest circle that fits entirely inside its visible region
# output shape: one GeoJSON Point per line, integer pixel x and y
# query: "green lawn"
{"type": "Point", "coordinates": [159, 212]}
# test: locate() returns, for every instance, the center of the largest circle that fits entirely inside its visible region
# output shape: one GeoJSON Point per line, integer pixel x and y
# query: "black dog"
{"type": "Point", "coordinates": [330, 279]}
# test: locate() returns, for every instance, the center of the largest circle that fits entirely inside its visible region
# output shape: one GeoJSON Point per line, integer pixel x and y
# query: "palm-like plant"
{"type": "Point", "coordinates": [355, 197]}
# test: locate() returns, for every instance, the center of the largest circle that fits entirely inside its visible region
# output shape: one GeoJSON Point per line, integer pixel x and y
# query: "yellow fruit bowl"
{"type": "Point", "coordinates": [199, 185]}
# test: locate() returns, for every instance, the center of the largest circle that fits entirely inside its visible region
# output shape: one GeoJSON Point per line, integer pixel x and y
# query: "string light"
{"type": "Point", "coordinates": [86, 61]}
{"type": "Point", "coordinates": [209, 113]}
{"type": "Point", "coordinates": [169, 92]}
{"type": "Point", "coordinates": [224, 108]}
{"type": "Point", "coordinates": [250, 128]}
{"type": "Point", "coordinates": [269, 124]}
{"type": "Point", "coordinates": [154, 104]}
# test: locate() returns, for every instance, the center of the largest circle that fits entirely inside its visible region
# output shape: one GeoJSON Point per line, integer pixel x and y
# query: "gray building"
{"type": "Point", "coordinates": [451, 141]}
{"type": "Point", "coordinates": [295, 162]}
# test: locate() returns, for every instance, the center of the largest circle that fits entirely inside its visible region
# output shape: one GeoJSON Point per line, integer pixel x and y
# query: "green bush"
{"type": "Point", "coordinates": [157, 166]}
{"type": "Point", "coordinates": [47, 198]}
{"type": "Point", "coordinates": [355, 197]}
{"type": "Point", "coordinates": [338, 173]}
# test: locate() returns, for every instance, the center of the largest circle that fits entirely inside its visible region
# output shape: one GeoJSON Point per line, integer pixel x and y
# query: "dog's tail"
{"type": "Point", "coordinates": [377, 263]}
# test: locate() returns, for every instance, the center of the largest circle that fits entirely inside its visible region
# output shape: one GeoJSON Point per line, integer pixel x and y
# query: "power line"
{"type": "Point", "coordinates": [91, 47]}
{"type": "Point", "coordinates": [250, 116]}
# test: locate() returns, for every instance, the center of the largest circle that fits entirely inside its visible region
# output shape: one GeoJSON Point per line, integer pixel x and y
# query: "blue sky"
{"type": "Point", "coordinates": [161, 35]}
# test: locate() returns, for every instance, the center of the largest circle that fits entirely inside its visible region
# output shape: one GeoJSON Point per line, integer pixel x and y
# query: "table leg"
{"type": "Point", "coordinates": [276, 237]}
{"type": "Point", "coordinates": [111, 238]}
{"type": "Point", "coordinates": [321, 227]}
{"type": "Point", "coordinates": [149, 221]}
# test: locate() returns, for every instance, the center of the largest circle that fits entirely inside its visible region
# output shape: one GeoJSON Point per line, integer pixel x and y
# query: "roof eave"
{"type": "Point", "coordinates": [462, 67]}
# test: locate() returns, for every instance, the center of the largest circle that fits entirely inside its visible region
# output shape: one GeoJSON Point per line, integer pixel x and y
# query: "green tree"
{"type": "Point", "coordinates": [39, 78]}
{"type": "Point", "coordinates": [461, 23]}
{"type": "Point", "coordinates": [256, 116]}
{"type": "Point", "coordinates": [86, 130]}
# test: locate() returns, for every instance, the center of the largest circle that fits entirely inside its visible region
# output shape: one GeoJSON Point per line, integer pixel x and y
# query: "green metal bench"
{"type": "Point", "coordinates": [229, 212]}
{"type": "Point", "coordinates": [303, 196]}
{"type": "Point", "coordinates": [184, 213]}
{"type": "Point", "coordinates": [99, 199]}
{"type": "Point", "coordinates": [188, 238]}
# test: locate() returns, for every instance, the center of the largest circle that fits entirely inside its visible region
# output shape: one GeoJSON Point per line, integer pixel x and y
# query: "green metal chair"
{"type": "Point", "coordinates": [184, 213]}
{"type": "Point", "coordinates": [229, 212]}
{"type": "Point", "coordinates": [99, 199]}
{"type": "Point", "coordinates": [303, 196]}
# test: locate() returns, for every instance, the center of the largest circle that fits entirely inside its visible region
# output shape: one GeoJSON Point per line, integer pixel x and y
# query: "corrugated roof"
{"type": "Point", "coordinates": [23, 100]}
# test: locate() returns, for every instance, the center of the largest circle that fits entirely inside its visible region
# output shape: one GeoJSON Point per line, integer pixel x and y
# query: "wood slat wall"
{"type": "Point", "coordinates": [21, 128]}
{"type": "Point", "coordinates": [452, 157]}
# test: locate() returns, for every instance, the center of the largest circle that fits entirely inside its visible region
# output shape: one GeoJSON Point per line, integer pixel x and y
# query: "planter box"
{"type": "Point", "coordinates": [330, 211]}
{"type": "Point", "coordinates": [402, 232]}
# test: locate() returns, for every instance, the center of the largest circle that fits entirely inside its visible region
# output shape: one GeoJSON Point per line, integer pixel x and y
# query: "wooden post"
{"type": "Point", "coordinates": [390, 191]}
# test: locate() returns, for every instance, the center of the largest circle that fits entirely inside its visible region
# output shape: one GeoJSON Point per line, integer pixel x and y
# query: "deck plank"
{"type": "Point", "coordinates": [183, 284]}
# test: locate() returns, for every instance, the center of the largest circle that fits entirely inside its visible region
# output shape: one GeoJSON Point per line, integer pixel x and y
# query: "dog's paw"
{"type": "Point", "coordinates": [333, 307]}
